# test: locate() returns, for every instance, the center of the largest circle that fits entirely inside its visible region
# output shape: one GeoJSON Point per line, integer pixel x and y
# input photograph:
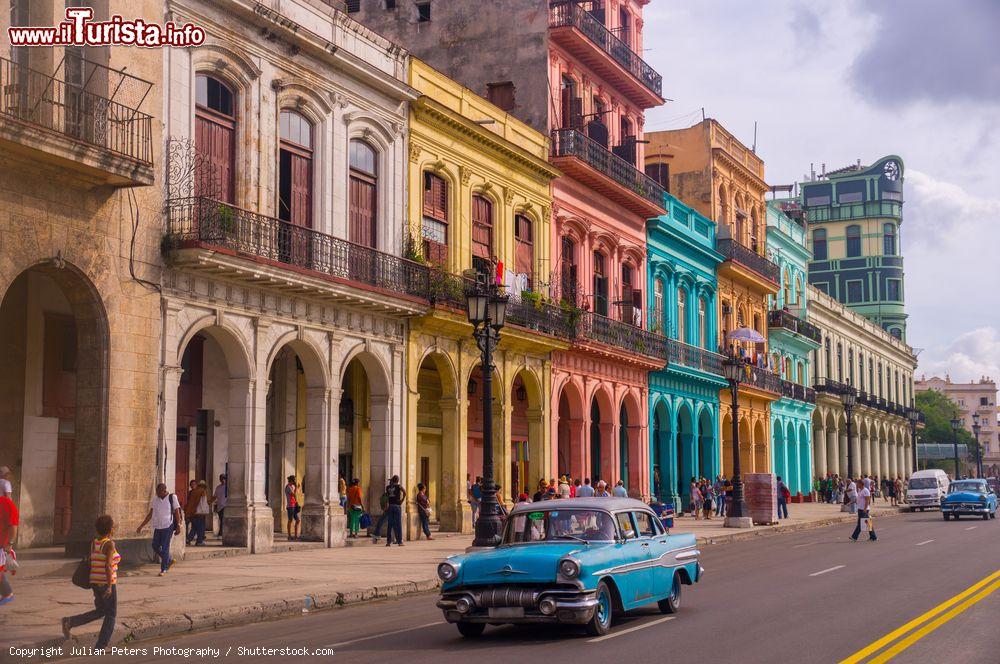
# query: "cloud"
{"type": "Point", "coordinates": [939, 213]}
{"type": "Point", "coordinates": [968, 357]}
{"type": "Point", "coordinates": [806, 24]}
{"type": "Point", "coordinates": [933, 51]}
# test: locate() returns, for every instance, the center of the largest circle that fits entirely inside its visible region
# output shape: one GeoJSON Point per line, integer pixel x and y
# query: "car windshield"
{"type": "Point", "coordinates": [967, 487]}
{"type": "Point", "coordinates": [923, 483]}
{"type": "Point", "coordinates": [559, 525]}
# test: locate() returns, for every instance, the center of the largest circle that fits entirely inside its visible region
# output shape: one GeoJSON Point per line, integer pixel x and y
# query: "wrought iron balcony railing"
{"type": "Point", "coordinates": [830, 386]}
{"type": "Point", "coordinates": [573, 143]}
{"type": "Point", "coordinates": [792, 323]}
{"type": "Point", "coordinates": [736, 252]}
{"type": "Point", "coordinates": [622, 335]}
{"type": "Point", "coordinates": [693, 357]}
{"type": "Point", "coordinates": [562, 14]}
{"type": "Point", "coordinates": [761, 379]}
{"type": "Point", "coordinates": [76, 111]}
{"type": "Point", "coordinates": [797, 392]}
{"type": "Point", "coordinates": [207, 222]}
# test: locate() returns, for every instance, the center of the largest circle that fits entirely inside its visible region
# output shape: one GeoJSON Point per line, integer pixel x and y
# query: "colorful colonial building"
{"type": "Point", "coordinates": [724, 180]}
{"type": "Point", "coordinates": [792, 342]}
{"type": "Point", "coordinates": [684, 396]}
{"type": "Point", "coordinates": [479, 193]}
{"type": "Point", "coordinates": [576, 75]}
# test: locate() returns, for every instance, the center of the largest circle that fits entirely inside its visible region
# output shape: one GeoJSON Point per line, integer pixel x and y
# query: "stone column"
{"type": "Point", "coordinates": [455, 513]}
{"type": "Point", "coordinates": [833, 448]}
{"type": "Point", "coordinates": [819, 451]}
{"type": "Point", "coordinates": [608, 447]}
{"type": "Point", "coordinates": [322, 518]}
{"type": "Point", "coordinates": [538, 461]}
{"type": "Point", "coordinates": [171, 381]}
{"type": "Point", "coordinates": [249, 522]}
{"type": "Point", "coordinates": [380, 447]}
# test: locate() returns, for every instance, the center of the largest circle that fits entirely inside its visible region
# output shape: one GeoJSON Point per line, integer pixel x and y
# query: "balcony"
{"type": "Point", "coordinates": [832, 387]}
{"type": "Point", "coordinates": [748, 259]}
{"type": "Point", "coordinates": [587, 161]}
{"type": "Point", "coordinates": [582, 35]}
{"type": "Point", "coordinates": [693, 357]}
{"type": "Point", "coordinates": [596, 327]}
{"type": "Point", "coordinates": [761, 379]}
{"type": "Point", "coordinates": [845, 211]}
{"type": "Point", "coordinates": [786, 320]}
{"type": "Point", "coordinates": [105, 139]}
{"type": "Point", "coordinates": [798, 392]}
{"type": "Point", "coordinates": [205, 234]}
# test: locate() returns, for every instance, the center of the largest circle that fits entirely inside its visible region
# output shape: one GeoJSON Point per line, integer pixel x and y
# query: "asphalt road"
{"type": "Point", "coordinates": [811, 596]}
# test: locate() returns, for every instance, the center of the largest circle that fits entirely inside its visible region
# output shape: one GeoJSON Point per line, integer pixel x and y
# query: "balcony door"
{"type": "Point", "coordinates": [571, 104]}
{"type": "Point", "coordinates": [363, 194]}
{"type": "Point", "coordinates": [215, 139]}
{"type": "Point", "coordinates": [568, 271]}
{"type": "Point", "coordinates": [295, 172]}
{"type": "Point", "coordinates": [600, 285]}
{"type": "Point", "coordinates": [482, 234]}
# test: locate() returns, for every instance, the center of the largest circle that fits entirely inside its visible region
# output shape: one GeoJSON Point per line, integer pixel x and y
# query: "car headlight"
{"type": "Point", "coordinates": [982, 499]}
{"type": "Point", "coordinates": [569, 568]}
{"type": "Point", "coordinates": [447, 571]}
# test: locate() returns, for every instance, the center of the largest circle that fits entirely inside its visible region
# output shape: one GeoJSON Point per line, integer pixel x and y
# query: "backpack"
{"type": "Point", "coordinates": [173, 512]}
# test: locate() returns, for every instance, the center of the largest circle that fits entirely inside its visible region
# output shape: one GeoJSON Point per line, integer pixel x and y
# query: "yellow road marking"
{"type": "Point", "coordinates": [930, 627]}
{"type": "Point", "coordinates": [919, 620]}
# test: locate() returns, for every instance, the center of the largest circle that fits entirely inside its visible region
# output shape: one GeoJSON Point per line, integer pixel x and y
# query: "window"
{"type": "Point", "coordinates": [822, 287]}
{"type": "Point", "coordinates": [482, 233]}
{"type": "Point", "coordinates": [435, 223]}
{"type": "Point", "coordinates": [853, 241]}
{"type": "Point", "coordinates": [600, 285]}
{"type": "Point", "coordinates": [896, 333]}
{"type": "Point", "coordinates": [787, 281]}
{"type": "Point", "coordinates": [892, 195]}
{"type": "Point", "coordinates": [660, 173]}
{"type": "Point", "coordinates": [892, 290]}
{"type": "Point", "coordinates": [702, 339]}
{"type": "Point", "coordinates": [625, 27]}
{"type": "Point", "coordinates": [423, 12]}
{"type": "Point", "coordinates": [819, 244]}
{"type": "Point", "coordinates": [572, 105]}
{"type": "Point", "coordinates": [682, 320]}
{"type": "Point", "coordinates": [657, 322]}
{"type": "Point", "coordinates": [840, 362]}
{"type": "Point", "coordinates": [984, 401]}
{"type": "Point", "coordinates": [567, 271]}
{"type": "Point", "coordinates": [524, 250]}
{"type": "Point", "coordinates": [631, 302]}
{"type": "Point", "coordinates": [855, 291]}
{"type": "Point", "coordinates": [818, 200]}
{"type": "Point", "coordinates": [625, 525]}
{"type": "Point", "coordinates": [215, 139]}
{"type": "Point", "coordinates": [850, 366]}
{"type": "Point", "coordinates": [829, 362]}
{"type": "Point", "coordinates": [353, 6]}
{"type": "Point", "coordinates": [889, 239]}
{"type": "Point", "coordinates": [849, 197]}
{"type": "Point", "coordinates": [363, 192]}
{"type": "Point", "coordinates": [295, 169]}
{"type": "Point", "coordinates": [501, 94]}
{"type": "Point", "coordinates": [861, 372]}
{"type": "Point", "coordinates": [390, 4]}
{"type": "Point", "coordinates": [648, 525]}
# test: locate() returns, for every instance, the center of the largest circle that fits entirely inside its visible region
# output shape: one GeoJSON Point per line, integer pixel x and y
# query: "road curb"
{"type": "Point", "coordinates": [797, 527]}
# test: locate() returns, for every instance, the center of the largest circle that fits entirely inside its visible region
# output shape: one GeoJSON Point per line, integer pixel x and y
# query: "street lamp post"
{"type": "Point", "coordinates": [849, 397]}
{"type": "Point", "coordinates": [979, 452]}
{"type": "Point", "coordinates": [914, 416]}
{"type": "Point", "coordinates": [955, 425]}
{"type": "Point", "coordinates": [733, 369]}
{"type": "Point", "coordinates": [486, 307]}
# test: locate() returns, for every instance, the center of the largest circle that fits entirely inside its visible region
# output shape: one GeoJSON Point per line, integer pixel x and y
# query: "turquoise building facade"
{"type": "Point", "coordinates": [791, 340]}
{"type": "Point", "coordinates": [683, 396]}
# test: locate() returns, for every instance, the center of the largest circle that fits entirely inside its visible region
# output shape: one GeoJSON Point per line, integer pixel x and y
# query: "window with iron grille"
{"type": "Point", "coordinates": [434, 230]}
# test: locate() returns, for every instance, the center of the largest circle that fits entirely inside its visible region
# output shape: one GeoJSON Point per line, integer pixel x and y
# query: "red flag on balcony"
{"type": "Point", "coordinates": [499, 272]}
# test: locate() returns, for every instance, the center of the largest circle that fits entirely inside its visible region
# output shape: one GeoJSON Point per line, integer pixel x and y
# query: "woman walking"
{"type": "Point", "coordinates": [355, 508]}
{"type": "Point", "coordinates": [424, 511]}
{"type": "Point", "coordinates": [292, 507]}
{"type": "Point", "coordinates": [104, 559]}
{"type": "Point", "coordinates": [196, 510]}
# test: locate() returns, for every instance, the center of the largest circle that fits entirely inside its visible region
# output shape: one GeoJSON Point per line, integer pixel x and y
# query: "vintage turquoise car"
{"type": "Point", "coordinates": [576, 561]}
{"type": "Point", "coordinates": [971, 498]}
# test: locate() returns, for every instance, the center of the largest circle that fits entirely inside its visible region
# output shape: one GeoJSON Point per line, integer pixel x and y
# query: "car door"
{"type": "Point", "coordinates": [636, 576]}
{"type": "Point", "coordinates": [654, 540]}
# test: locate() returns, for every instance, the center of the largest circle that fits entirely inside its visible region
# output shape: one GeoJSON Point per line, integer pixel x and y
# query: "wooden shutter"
{"type": "Point", "coordinates": [576, 112]}
{"type": "Point", "coordinates": [482, 228]}
{"type": "Point", "coordinates": [301, 191]}
{"type": "Point", "coordinates": [214, 147]}
{"type": "Point", "coordinates": [524, 253]}
{"type": "Point", "coordinates": [362, 212]}
{"type": "Point", "coordinates": [435, 197]}
{"type": "Point", "coordinates": [598, 131]}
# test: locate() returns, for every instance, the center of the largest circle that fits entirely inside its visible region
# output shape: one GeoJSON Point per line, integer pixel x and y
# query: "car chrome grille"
{"type": "Point", "coordinates": [507, 596]}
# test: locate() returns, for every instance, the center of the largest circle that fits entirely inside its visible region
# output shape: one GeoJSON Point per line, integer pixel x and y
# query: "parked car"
{"type": "Point", "coordinates": [926, 488]}
{"type": "Point", "coordinates": [971, 498]}
{"type": "Point", "coordinates": [994, 483]}
{"type": "Point", "coordinates": [577, 561]}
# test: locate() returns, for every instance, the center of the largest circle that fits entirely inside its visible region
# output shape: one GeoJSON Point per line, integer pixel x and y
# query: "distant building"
{"type": "Point", "coordinates": [973, 397]}
{"type": "Point", "coordinates": [854, 215]}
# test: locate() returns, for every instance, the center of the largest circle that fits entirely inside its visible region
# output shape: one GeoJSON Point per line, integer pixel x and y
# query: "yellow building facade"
{"type": "Point", "coordinates": [479, 194]}
{"type": "Point", "coordinates": [712, 171]}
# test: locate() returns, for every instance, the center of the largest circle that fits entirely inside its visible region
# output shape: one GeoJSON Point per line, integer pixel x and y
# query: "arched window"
{"type": "Point", "coordinates": [434, 229]}
{"type": "Point", "coordinates": [826, 344]}
{"type": "Point", "coordinates": [840, 362]}
{"type": "Point", "coordinates": [215, 139]}
{"type": "Point", "coordinates": [819, 244]}
{"type": "Point", "coordinates": [658, 323]}
{"type": "Point", "coordinates": [702, 339]}
{"type": "Point", "coordinates": [801, 373]}
{"type": "Point", "coordinates": [682, 319]}
{"type": "Point", "coordinates": [850, 366]}
{"type": "Point", "coordinates": [787, 282]}
{"type": "Point", "coordinates": [524, 248]}
{"type": "Point", "coordinates": [295, 169]}
{"type": "Point", "coordinates": [568, 271]}
{"type": "Point", "coordinates": [889, 239]}
{"type": "Point", "coordinates": [853, 241]}
{"type": "Point", "coordinates": [363, 194]}
{"type": "Point", "coordinates": [482, 233]}
{"type": "Point", "coordinates": [600, 284]}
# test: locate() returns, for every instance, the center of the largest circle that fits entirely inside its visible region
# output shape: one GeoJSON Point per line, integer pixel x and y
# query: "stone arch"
{"type": "Point", "coordinates": [571, 452]}
{"type": "Point", "coordinates": [631, 458]}
{"type": "Point", "coordinates": [230, 339]}
{"type": "Point", "coordinates": [437, 455]}
{"type": "Point", "coordinates": [527, 443]}
{"type": "Point", "coordinates": [685, 447]}
{"type": "Point", "coordinates": [602, 422]}
{"type": "Point", "coordinates": [760, 445]}
{"type": "Point", "coordinates": [663, 477]}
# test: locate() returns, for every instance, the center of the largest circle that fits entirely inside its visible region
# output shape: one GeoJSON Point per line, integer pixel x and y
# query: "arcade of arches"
{"type": "Point", "coordinates": [882, 444]}
{"type": "Point", "coordinates": [684, 445]}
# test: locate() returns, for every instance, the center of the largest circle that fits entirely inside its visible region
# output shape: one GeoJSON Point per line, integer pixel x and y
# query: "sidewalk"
{"type": "Point", "coordinates": [217, 592]}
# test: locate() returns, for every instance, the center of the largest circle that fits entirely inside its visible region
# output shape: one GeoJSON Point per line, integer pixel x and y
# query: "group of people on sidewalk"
{"type": "Point", "coordinates": [838, 490]}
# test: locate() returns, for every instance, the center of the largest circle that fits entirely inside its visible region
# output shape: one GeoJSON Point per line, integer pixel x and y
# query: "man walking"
{"type": "Point", "coordinates": [863, 501]}
{"type": "Point", "coordinates": [395, 494]}
{"type": "Point", "coordinates": [585, 490]}
{"type": "Point", "coordinates": [165, 513]}
{"type": "Point", "coordinates": [783, 495]}
{"type": "Point", "coordinates": [8, 533]}
{"type": "Point", "coordinates": [219, 500]}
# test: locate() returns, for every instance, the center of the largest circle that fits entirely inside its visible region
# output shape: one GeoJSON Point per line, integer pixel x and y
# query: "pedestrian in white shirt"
{"type": "Point", "coordinates": [863, 502]}
{"type": "Point", "coordinates": [619, 491]}
{"type": "Point", "coordinates": [165, 513]}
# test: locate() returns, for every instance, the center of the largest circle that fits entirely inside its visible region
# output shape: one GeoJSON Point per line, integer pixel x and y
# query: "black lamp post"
{"type": "Point", "coordinates": [955, 426]}
{"type": "Point", "coordinates": [733, 369]}
{"type": "Point", "coordinates": [850, 398]}
{"type": "Point", "coordinates": [914, 416]}
{"type": "Point", "coordinates": [486, 306]}
{"type": "Point", "coordinates": [979, 452]}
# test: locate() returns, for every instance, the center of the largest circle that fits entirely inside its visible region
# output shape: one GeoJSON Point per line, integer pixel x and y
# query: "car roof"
{"type": "Point", "coordinates": [609, 504]}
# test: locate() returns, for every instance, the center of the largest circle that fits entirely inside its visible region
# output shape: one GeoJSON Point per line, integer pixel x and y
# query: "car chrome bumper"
{"type": "Point", "coordinates": [575, 610]}
{"type": "Point", "coordinates": [965, 509]}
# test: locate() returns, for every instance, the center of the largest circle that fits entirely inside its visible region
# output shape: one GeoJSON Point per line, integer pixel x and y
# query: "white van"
{"type": "Point", "coordinates": [927, 488]}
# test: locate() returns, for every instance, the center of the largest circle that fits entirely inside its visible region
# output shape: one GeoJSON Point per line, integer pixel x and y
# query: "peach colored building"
{"type": "Point", "coordinates": [972, 397]}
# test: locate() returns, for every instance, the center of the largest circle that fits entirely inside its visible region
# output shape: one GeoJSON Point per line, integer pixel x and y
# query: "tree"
{"type": "Point", "coordinates": [939, 411]}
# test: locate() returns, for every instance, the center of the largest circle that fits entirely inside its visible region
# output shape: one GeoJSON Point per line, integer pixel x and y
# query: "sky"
{"type": "Point", "coordinates": [845, 80]}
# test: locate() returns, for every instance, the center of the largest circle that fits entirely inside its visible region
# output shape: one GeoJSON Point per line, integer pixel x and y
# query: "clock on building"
{"type": "Point", "coordinates": [891, 170]}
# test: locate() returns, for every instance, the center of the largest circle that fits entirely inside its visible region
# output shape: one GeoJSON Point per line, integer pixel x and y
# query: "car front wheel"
{"type": "Point", "coordinates": [470, 629]}
{"type": "Point", "coordinates": [672, 604]}
{"type": "Point", "coordinates": [946, 515]}
{"type": "Point", "coordinates": [986, 517]}
{"type": "Point", "coordinates": [600, 623]}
